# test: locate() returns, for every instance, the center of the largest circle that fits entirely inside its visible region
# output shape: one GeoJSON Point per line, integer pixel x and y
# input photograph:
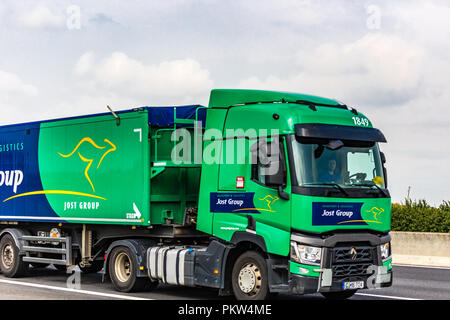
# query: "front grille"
{"type": "Point", "coordinates": [352, 261]}
{"type": "Point", "coordinates": [354, 269]}
{"type": "Point", "coordinates": [353, 254]}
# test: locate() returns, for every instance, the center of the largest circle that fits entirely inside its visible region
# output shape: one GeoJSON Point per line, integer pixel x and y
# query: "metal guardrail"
{"type": "Point", "coordinates": [65, 251]}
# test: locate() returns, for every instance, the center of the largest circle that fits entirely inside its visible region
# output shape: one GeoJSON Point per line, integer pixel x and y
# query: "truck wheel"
{"type": "Point", "coordinates": [339, 295]}
{"type": "Point", "coordinates": [249, 277]}
{"type": "Point", "coordinates": [122, 271]}
{"type": "Point", "coordinates": [11, 263]}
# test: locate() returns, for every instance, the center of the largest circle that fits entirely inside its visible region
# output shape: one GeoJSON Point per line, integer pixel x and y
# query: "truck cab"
{"type": "Point", "coordinates": [286, 193]}
{"type": "Point", "coordinates": [297, 184]}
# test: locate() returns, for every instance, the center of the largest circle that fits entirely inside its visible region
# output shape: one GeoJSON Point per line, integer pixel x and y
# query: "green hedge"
{"type": "Point", "coordinates": [419, 216]}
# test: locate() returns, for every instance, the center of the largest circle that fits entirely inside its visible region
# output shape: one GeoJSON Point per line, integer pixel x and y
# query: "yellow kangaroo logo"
{"type": "Point", "coordinates": [270, 200]}
{"type": "Point", "coordinates": [376, 212]}
{"type": "Point", "coordinates": [90, 161]}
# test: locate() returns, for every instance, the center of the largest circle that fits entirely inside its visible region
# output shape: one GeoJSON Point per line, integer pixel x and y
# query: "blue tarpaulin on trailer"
{"type": "Point", "coordinates": [164, 116]}
{"type": "Point", "coordinates": [159, 116]}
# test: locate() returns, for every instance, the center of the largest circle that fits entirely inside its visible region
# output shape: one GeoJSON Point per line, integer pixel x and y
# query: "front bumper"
{"type": "Point", "coordinates": [338, 266]}
{"type": "Point", "coordinates": [300, 284]}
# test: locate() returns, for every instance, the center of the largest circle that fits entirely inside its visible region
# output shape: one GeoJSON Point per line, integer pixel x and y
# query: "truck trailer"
{"type": "Point", "coordinates": [261, 192]}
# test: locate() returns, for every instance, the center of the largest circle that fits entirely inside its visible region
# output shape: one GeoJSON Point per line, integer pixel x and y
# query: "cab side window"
{"type": "Point", "coordinates": [268, 162]}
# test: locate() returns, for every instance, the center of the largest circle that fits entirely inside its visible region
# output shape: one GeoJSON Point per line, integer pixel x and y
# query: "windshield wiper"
{"type": "Point", "coordinates": [329, 184]}
{"type": "Point", "coordinates": [372, 185]}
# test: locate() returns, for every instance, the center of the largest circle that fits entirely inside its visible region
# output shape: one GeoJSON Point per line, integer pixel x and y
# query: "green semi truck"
{"type": "Point", "coordinates": [259, 193]}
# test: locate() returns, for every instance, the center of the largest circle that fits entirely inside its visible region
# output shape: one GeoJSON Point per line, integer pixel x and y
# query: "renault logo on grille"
{"type": "Point", "coordinates": [353, 253]}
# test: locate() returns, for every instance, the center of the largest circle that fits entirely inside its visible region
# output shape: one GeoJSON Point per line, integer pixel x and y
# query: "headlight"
{"type": "Point", "coordinates": [385, 250]}
{"type": "Point", "coordinates": [305, 254]}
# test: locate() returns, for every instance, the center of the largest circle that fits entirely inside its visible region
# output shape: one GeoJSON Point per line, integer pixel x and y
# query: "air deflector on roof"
{"type": "Point", "coordinates": [338, 132]}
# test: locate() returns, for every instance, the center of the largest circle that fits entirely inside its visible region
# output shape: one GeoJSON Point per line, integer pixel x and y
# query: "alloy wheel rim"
{"type": "Point", "coordinates": [250, 279]}
{"type": "Point", "coordinates": [8, 256]}
{"type": "Point", "coordinates": [123, 267]}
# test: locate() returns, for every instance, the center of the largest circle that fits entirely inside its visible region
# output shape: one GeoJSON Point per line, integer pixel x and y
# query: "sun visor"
{"type": "Point", "coordinates": [338, 132]}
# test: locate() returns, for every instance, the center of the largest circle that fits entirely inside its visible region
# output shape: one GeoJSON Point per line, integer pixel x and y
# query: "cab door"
{"type": "Point", "coordinates": [254, 193]}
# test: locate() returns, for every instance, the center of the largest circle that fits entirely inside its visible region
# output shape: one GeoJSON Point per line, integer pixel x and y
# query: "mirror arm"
{"type": "Point", "coordinates": [283, 195]}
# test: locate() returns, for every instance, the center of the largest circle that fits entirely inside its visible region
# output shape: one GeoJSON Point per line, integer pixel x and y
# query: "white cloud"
{"type": "Point", "coordinates": [426, 22]}
{"type": "Point", "coordinates": [299, 12]}
{"type": "Point", "coordinates": [128, 77]}
{"type": "Point", "coordinates": [84, 64]}
{"type": "Point", "coordinates": [2, 11]}
{"type": "Point", "coordinates": [374, 70]}
{"type": "Point", "coordinates": [12, 84]}
{"type": "Point", "coordinates": [40, 17]}
{"type": "Point", "coordinates": [17, 98]}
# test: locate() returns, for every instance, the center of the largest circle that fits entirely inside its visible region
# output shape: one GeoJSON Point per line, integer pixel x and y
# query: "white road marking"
{"type": "Point", "coordinates": [93, 293]}
{"type": "Point", "coordinates": [384, 296]}
{"type": "Point", "coordinates": [416, 266]}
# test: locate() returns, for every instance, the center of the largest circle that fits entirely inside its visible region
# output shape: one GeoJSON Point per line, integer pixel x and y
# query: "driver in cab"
{"type": "Point", "coordinates": [331, 175]}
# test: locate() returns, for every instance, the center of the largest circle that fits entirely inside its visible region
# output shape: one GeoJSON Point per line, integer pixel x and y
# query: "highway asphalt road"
{"type": "Point", "coordinates": [410, 283]}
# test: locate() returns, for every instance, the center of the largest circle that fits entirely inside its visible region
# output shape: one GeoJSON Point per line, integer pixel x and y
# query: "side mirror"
{"type": "Point", "coordinates": [383, 157]}
{"type": "Point", "coordinates": [383, 161]}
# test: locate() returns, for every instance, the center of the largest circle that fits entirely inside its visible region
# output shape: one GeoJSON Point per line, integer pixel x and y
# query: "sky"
{"type": "Point", "coordinates": [388, 59]}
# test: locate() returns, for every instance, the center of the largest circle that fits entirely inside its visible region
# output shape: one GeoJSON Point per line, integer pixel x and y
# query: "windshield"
{"type": "Point", "coordinates": [322, 162]}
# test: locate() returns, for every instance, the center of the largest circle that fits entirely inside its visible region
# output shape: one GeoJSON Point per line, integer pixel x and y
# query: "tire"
{"type": "Point", "coordinates": [339, 295]}
{"type": "Point", "coordinates": [122, 266]}
{"type": "Point", "coordinates": [95, 267]}
{"type": "Point", "coordinates": [249, 277]}
{"type": "Point", "coordinates": [11, 264]}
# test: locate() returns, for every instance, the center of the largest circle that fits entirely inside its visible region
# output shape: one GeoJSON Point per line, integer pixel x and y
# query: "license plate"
{"type": "Point", "coordinates": [353, 285]}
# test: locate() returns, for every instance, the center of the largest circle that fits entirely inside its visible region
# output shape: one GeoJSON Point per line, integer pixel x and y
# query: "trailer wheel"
{"type": "Point", "coordinates": [11, 263]}
{"type": "Point", "coordinates": [249, 277]}
{"type": "Point", "coordinates": [122, 271]}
